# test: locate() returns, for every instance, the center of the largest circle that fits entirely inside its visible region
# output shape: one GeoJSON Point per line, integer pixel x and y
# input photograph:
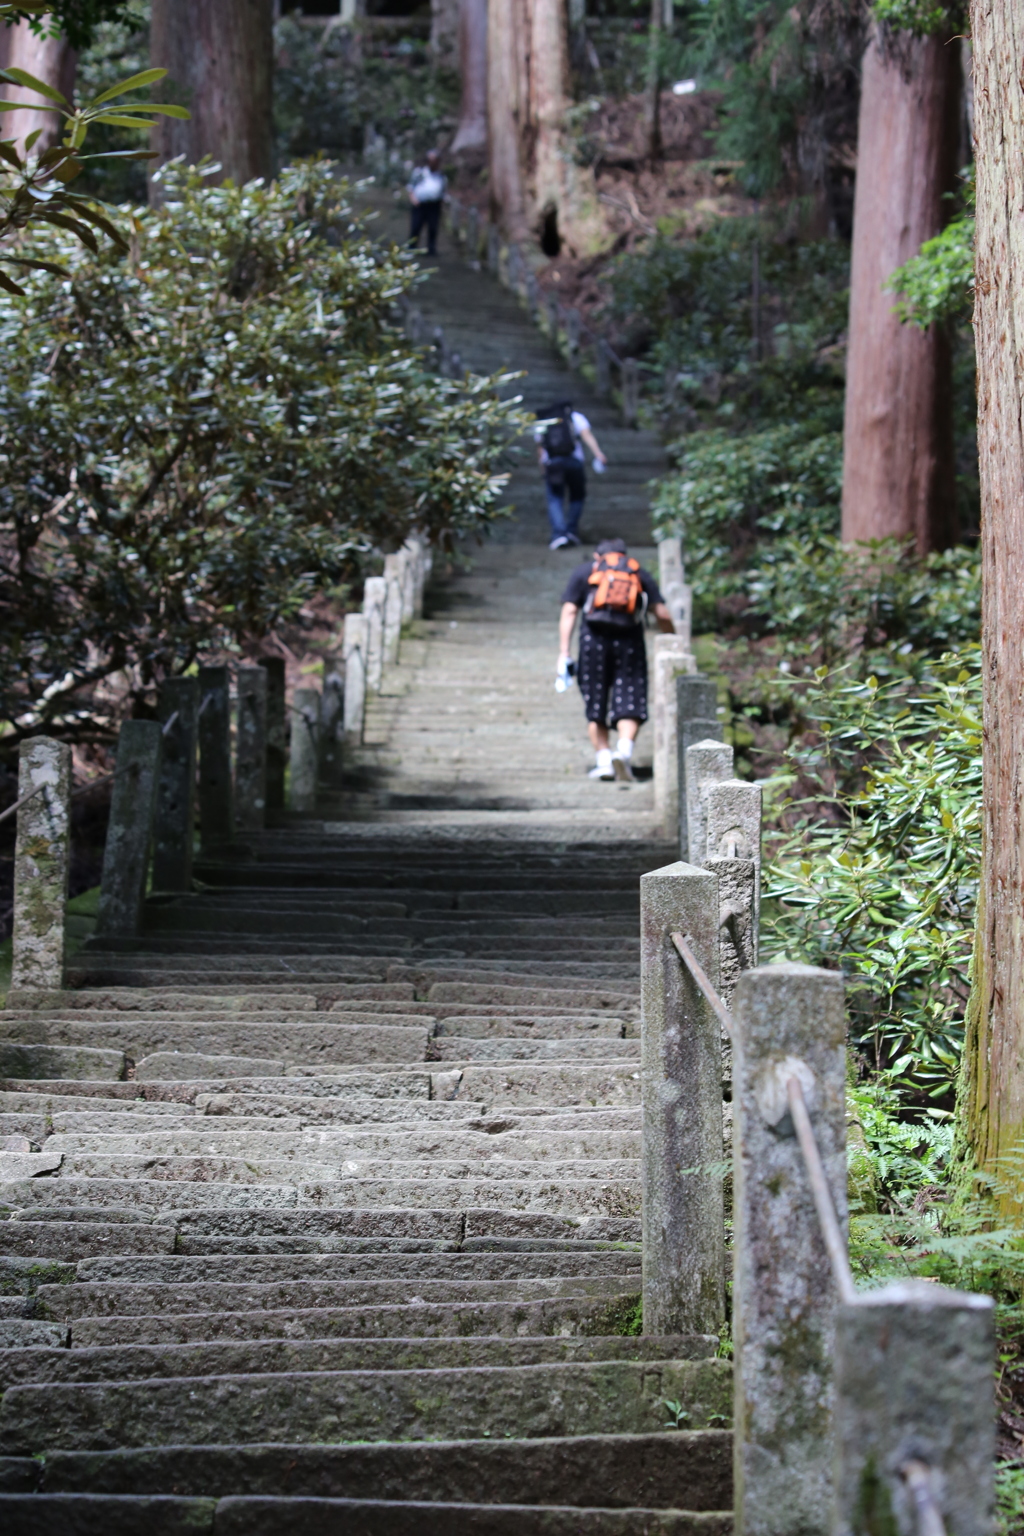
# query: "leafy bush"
{"type": "Point", "coordinates": [194, 440]}
{"type": "Point", "coordinates": [877, 871]}
{"type": "Point", "coordinates": [938, 284]}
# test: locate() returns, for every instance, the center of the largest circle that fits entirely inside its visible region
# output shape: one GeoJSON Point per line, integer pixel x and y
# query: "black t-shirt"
{"type": "Point", "coordinates": [578, 586]}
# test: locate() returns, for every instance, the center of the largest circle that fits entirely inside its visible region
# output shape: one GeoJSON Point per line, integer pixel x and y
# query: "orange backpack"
{"type": "Point", "coordinates": [617, 594]}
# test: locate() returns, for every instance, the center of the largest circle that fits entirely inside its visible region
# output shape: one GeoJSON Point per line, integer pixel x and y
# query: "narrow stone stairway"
{"type": "Point", "coordinates": [322, 1195]}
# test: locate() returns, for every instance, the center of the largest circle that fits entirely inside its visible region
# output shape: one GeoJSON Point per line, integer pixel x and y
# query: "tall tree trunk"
{"type": "Point", "coordinates": [652, 93]}
{"type": "Point", "coordinates": [549, 97]}
{"type": "Point", "coordinates": [220, 57]}
{"type": "Point", "coordinates": [992, 1088]}
{"type": "Point", "coordinates": [898, 474]}
{"type": "Point", "coordinates": [472, 130]}
{"type": "Point", "coordinates": [444, 31]}
{"type": "Point", "coordinates": [507, 98]}
{"type": "Point", "coordinates": [51, 59]}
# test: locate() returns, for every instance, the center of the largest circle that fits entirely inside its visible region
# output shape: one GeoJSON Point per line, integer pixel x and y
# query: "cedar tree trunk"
{"type": "Point", "coordinates": [51, 59]}
{"type": "Point", "coordinates": [992, 1087]}
{"type": "Point", "coordinates": [898, 473]}
{"type": "Point", "coordinates": [220, 56]}
{"type": "Point", "coordinates": [549, 97]}
{"type": "Point", "coordinates": [472, 130]}
{"type": "Point", "coordinates": [507, 102]}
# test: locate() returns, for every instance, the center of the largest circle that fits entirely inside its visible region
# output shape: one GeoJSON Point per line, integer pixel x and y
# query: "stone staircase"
{"type": "Point", "coordinates": [323, 1194]}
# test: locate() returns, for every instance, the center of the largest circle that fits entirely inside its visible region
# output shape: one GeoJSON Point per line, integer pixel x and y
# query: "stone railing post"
{"type": "Point", "coordinates": [678, 596]}
{"type": "Point", "coordinates": [473, 234]}
{"type": "Point", "coordinates": [419, 565]}
{"type": "Point", "coordinates": [277, 731]}
{"type": "Point", "coordinates": [551, 308]}
{"type": "Point", "coordinates": [332, 729]}
{"type": "Point", "coordinates": [178, 711]}
{"type": "Point", "coordinates": [42, 858]}
{"type": "Point", "coordinates": [375, 596]}
{"type": "Point", "coordinates": [407, 558]}
{"type": "Point", "coordinates": [696, 720]}
{"type": "Point", "coordinates": [493, 249]}
{"type": "Point", "coordinates": [393, 615]}
{"type": "Point", "coordinates": [681, 1085]}
{"type": "Point", "coordinates": [734, 829]}
{"type": "Point", "coordinates": [216, 801]}
{"type": "Point", "coordinates": [251, 750]}
{"type": "Point", "coordinates": [572, 331]}
{"type": "Point", "coordinates": [707, 762]}
{"type": "Point", "coordinates": [671, 659]}
{"type": "Point", "coordinates": [130, 829]}
{"type": "Point", "coordinates": [354, 656]}
{"type": "Point", "coordinates": [302, 779]}
{"type": "Point", "coordinates": [788, 1021]}
{"type": "Point", "coordinates": [630, 391]}
{"type": "Point", "coordinates": [915, 1410]}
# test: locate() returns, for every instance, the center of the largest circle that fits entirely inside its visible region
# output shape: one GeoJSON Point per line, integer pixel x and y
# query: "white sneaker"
{"type": "Point", "coordinates": [622, 769]}
{"type": "Point", "coordinates": [603, 768]}
{"type": "Point", "coordinates": [559, 542]}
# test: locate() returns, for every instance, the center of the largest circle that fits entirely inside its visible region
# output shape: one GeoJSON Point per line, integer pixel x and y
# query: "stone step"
{"type": "Point", "coordinates": [55, 1514]}
{"type": "Point", "coordinates": [259, 1138]}
{"type": "Point", "coordinates": [387, 1081]}
{"type": "Point", "coordinates": [342, 1040]}
{"type": "Point", "coordinates": [689, 1469]}
{"type": "Point", "coordinates": [20, 1059]}
{"type": "Point", "coordinates": [530, 1401]}
{"type": "Point", "coordinates": [57, 1302]}
{"type": "Point", "coordinates": [590, 1178]}
{"type": "Point", "coordinates": [138, 1362]}
{"type": "Point", "coordinates": [323, 1268]}
{"type": "Point", "coordinates": [73, 1240]}
{"type": "Point", "coordinates": [469, 1226]}
{"type": "Point", "coordinates": [463, 1048]}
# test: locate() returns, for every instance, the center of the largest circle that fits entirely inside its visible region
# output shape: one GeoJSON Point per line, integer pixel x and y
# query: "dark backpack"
{"type": "Point", "coordinates": [559, 438]}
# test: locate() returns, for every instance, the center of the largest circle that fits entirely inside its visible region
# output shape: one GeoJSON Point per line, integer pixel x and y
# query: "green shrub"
{"type": "Point", "coordinates": [196, 439]}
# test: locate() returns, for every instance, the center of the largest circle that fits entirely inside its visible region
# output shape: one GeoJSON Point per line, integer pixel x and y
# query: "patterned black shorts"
{"type": "Point", "coordinates": [613, 674]}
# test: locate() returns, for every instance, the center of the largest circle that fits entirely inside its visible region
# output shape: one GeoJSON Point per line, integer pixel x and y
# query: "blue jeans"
{"type": "Point", "coordinates": [571, 487]}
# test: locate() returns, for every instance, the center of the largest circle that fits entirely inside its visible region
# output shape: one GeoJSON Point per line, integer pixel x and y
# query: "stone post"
{"type": "Point", "coordinates": [678, 596]}
{"type": "Point", "coordinates": [473, 235]}
{"type": "Point", "coordinates": [408, 556]}
{"type": "Point", "coordinates": [419, 574]}
{"type": "Point", "coordinates": [738, 939]}
{"type": "Point", "coordinates": [681, 1086]}
{"type": "Point", "coordinates": [707, 762]}
{"type": "Point", "coordinates": [375, 593]}
{"type": "Point", "coordinates": [602, 368]}
{"type": "Point", "coordinates": [734, 832]}
{"type": "Point", "coordinates": [42, 857]}
{"type": "Point", "coordinates": [216, 801]}
{"type": "Point", "coordinates": [630, 391]}
{"type": "Point", "coordinates": [277, 731]}
{"type": "Point", "coordinates": [130, 829]}
{"type": "Point", "coordinates": [392, 608]}
{"type": "Point", "coordinates": [493, 249]}
{"type": "Point", "coordinates": [354, 655]}
{"type": "Point", "coordinates": [788, 1021]}
{"type": "Point", "coordinates": [305, 749]}
{"type": "Point", "coordinates": [671, 658]}
{"type": "Point", "coordinates": [174, 834]}
{"type": "Point", "coordinates": [332, 728]}
{"type": "Point", "coordinates": [251, 750]}
{"type": "Point", "coordinates": [915, 1409]}
{"type": "Point", "coordinates": [696, 720]}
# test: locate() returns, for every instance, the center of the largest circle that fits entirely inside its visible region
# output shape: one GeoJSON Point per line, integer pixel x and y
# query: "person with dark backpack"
{"type": "Point", "coordinates": [614, 594]}
{"type": "Point", "coordinates": [560, 435]}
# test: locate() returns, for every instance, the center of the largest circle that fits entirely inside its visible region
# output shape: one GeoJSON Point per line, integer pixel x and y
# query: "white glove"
{"type": "Point", "coordinates": [565, 674]}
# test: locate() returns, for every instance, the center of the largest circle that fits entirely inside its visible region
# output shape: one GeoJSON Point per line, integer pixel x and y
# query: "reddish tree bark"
{"type": "Point", "coordinates": [51, 59]}
{"type": "Point", "coordinates": [898, 472]}
{"type": "Point", "coordinates": [220, 57]}
{"type": "Point", "coordinates": [992, 1088]}
{"type": "Point", "coordinates": [507, 110]}
{"type": "Point", "coordinates": [471, 133]}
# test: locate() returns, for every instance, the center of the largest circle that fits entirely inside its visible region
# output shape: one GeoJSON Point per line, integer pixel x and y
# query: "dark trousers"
{"type": "Point", "coordinates": [430, 215]}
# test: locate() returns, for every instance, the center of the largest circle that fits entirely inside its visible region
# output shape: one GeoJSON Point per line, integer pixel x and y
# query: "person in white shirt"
{"type": "Point", "coordinates": [560, 435]}
{"type": "Point", "coordinates": [426, 194]}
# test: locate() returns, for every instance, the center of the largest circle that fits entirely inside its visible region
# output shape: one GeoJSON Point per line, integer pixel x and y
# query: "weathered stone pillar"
{"type": "Point", "coordinates": [737, 905]}
{"type": "Point", "coordinates": [915, 1409]}
{"type": "Point", "coordinates": [216, 800]}
{"type": "Point", "coordinates": [375, 592]}
{"type": "Point", "coordinates": [681, 1085]}
{"type": "Point", "coordinates": [734, 832]}
{"type": "Point", "coordinates": [251, 750]}
{"type": "Point", "coordinates": [174, 833]}
{"type": "Point", "coordinates": [670, 659]}
{"type": "Point", "coordinates": [130, 829]}
{"type": "Point", "coordinates": [419, 573]}
{"type": "Point", "coordinates": [305, 749]}
{"type": "Point", "coordinates": [696, 720]}
{"type": "Point", "coordinates": [393, 608]}
{"type": "Point", "coordinates": [678, 596]}
{"type": "Point", "coordinates": [42, 858]}
{"type": "Point", "coordinates": [789, 1021]}
{"type": "Point", "coordinates": [332, 728]}
{"type": "Point", "coordinates": [408, 557]}
{"type": "Point", "coordinates": [277, 731]}
{"type": "Point", "coordinates": [354, 655]}
{"type": "Point", "coordinates": [707, 762]}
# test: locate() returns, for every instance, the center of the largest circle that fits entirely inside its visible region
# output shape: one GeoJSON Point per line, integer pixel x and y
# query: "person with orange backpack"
{"type": "Point", "coordinates": [614, 594]}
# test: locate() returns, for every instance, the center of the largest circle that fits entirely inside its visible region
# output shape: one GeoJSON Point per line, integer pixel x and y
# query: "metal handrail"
{"type": "Point", "coordinates": [699, 975]}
